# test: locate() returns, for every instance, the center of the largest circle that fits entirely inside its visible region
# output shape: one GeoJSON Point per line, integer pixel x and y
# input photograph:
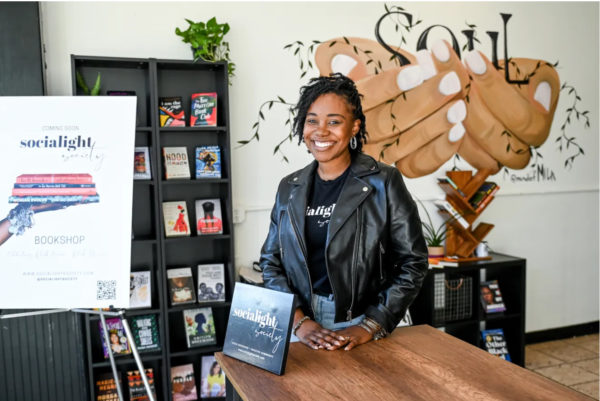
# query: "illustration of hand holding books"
{"type": "Point", "coordinates": [36, 193]}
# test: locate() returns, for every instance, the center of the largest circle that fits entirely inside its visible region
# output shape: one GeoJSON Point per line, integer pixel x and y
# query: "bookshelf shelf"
{"type": "Point", "coordinates": [152, 79]}
{"type": "Point", "coordinates": [510, 273]}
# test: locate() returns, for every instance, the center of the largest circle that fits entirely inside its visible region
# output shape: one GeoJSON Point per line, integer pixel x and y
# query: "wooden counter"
{"type": "Point", "coordinates": [414, 363]}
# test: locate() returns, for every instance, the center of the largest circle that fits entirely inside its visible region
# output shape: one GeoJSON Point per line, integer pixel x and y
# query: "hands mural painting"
{"type": "Point", "coordinates": [424, 108]}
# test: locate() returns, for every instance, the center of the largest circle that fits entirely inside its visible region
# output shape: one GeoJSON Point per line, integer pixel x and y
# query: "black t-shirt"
{"type": "Point", "coordinates": [321, 202]}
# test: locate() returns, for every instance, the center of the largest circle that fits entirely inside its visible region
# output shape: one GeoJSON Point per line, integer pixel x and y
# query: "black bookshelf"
{"type": "Point", "coordinates": [151, 79]}
{"type": "Point", "coordinates": [510, 273]}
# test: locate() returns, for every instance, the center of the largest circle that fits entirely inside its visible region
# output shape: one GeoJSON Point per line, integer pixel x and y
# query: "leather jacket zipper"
{"type": "Point", "coordinates": [354, 257]}
{"type": "Point", "coordinates": [279, 233]}
{"type": "Point", "coordinates": [304, 253]}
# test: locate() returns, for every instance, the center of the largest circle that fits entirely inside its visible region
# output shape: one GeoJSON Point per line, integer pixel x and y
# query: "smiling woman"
{"type": "Point", "coordinates": [345, 234]}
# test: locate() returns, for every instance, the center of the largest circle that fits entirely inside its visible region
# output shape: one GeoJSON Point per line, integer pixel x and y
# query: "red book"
{"type": "Point", "coordinates": [487, 199]}
{"type": "Point", "coordinates": [52, 191]}
{"type": "Point", "coordinates": [55, 178]}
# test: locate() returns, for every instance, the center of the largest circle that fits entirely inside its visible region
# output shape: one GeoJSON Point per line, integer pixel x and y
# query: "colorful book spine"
{"type": "Point", "coordinates": [487, 199]}
{"type": "Point", "coordinates": [452, 184]}
{"type": "Point", "coordinates": [52, 191]}
{"type": "Point", "coordinates": [56, 185]}
{"type": "Point", "coordinates": [55, 199]}
{"type": "Point", "coordinates": [54, 178]}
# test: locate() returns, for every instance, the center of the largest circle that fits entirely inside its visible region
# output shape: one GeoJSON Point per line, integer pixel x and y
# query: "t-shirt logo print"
{"type": "Point", "coordinates": [324, 211]}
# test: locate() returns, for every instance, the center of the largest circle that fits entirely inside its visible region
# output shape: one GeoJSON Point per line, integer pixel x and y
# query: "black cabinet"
{"type": "Point", "coordinates": [150, 249]}
{"type": "Point", "coordinates": [450, 301]}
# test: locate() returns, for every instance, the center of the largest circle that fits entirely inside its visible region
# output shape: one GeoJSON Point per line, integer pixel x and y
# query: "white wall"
{"type": "Point", "coordinates": [554, 225]}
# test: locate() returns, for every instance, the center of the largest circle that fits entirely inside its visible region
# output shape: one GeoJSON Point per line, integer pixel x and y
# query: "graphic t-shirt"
{"type": "Point", "coordinates": [321, 202]}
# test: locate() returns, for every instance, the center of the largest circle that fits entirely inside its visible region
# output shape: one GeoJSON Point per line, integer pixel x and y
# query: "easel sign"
{"type": "Point", "coordinates": [65, 201]}
{"type": "Point", "coordinates": [259, 327]}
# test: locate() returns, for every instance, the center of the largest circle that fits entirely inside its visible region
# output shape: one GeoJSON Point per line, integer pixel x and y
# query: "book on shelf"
{"type": "Point", "coordinates": [211, 282]}
{"type": "Point", "coordinates": [137, 389]}
{"type": "Point", "coordinates": [141, 163]}
{"type": "Point", "coordinates": [170, 112]}
{"type": "Point", "coordinates": [145, 332]}
{"type": "Point", "coordinates": [212, 383]}
{"type": "Point", "coordinates": [199, 327]}
{"type": "Point", "coordinates": [176, 219]}
{"type": "Point", "coordinates": [446, 206]}
{"type": "Point", "coordinates": [209, 217]}
{"type": "Point", "coordinates": [181, 286]}
{"type": "Point", "coordinates": [119, 345]}
{"type": "Point", "coordinates": [481, 193]}
{"type": "Point", "coordinates": [491, 297]}
{"type": "Point", "coordinates": [449, 181]}
{"type": "Point", "coordinates": [106, 389]}
{"type": "Point", "coordinates": [487, 199]}
{"type": "Point", "coordinates": [204, 109]}
{"type": "Point", "coordinates": [176, 162]}
{"type": "Point", "coordinates": [208, 161]}
{"type": "Point", "coordinates": [183, 383]}
{"type": "Point", "coordinates": [495, 343]}
{"type": "Point", "coordinates": [140, 287]}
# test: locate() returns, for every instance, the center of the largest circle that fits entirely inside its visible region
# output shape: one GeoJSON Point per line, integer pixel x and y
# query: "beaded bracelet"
{"type": "Point", "coordinates": [297, 326]}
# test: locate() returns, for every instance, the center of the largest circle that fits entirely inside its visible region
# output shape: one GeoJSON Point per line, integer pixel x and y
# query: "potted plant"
{"type": "Point", "coordinates": [434, 236]}
{"type": "Point", "coordinates": [207, 41]}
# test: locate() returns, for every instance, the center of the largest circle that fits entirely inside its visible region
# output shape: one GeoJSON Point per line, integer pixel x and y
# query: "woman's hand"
{"type": "Point", "coordinates": [312, 334]}
{"type": "Point", "coordinates": [354, 336]}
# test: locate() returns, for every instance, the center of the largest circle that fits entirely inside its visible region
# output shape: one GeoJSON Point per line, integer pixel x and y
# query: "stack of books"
{"type": "Point", "coordinates": [483, 196]}
{"type": "Point", "coordinates": [54, 188]}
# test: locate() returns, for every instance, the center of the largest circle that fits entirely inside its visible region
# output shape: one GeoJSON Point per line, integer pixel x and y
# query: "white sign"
{"type": "Point", "coordinates": [66, 182]}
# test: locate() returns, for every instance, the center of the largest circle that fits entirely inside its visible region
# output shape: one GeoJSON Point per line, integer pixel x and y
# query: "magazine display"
{"type": "Point", "coordinates": [212, 384]}
{"type": "Point", "coordinates": [141, 164]}
{"type": "Point", "coordinates": [176, 162]}
{"type": "Point", "coordinates": [211, 283]}
{"type": "Point", "coordinates": [495, 343]}
{"type": "Point", "coordinates": [137, 390]}
{"type": "Point", "coordinates": [199, 327]}
{"type": "Point", "coordinates": [204, 109]}
{"type": "Point", "coordinates": [170, 112]}
{"type": "Point", "coordinates": [116, 335]}
{"type": "Point", "coordinates": [106, 389]}
{"type": "Point", "coordinates": [145, 332]}
{"type": "Point", "coordinates": [177, 223]}
{"type": "Point", "coordinates": [140, 290]}
{"type": "Point", "coordinates": [491, 298]}
{"type": "Point", "coordinates": [183, 383]}
{"type": "Point", "coordinates": [208, 217]}
{"type": "Point", "coordinates": [208, 162]}
{"type": "Point", "coordinates": [181, 286]}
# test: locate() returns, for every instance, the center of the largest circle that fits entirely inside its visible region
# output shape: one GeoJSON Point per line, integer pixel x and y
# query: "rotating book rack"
{"type": "Point", "coordinates": [461, 241]}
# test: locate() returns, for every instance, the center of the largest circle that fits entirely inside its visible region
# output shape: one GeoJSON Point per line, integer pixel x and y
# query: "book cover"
{"type": "Point", "coordinates": [183, 383]}
{"type": "Point", "coordinates": [211, 282]}
{"type": "Point", "coordinates": [444, 205]}
{"type": "Point", "coordinates": [145, 332]}
{"type": "Point", "coordinates": [208, 217]}
{"type": "Point", "coordinates": [137, 390]}
{"type": "Point", "coordinates": [181, 286]}
{"type": "Point", "coordinates": [208, 162]}
{"type": "Point", "coordinates": [170, 112]}
{"type": "Point", "coordinates": [487, 199]}
{"type": "Point", "coordinates": [199, 327]}
{"type": "Point", "coordinates": [176, 219]}
{"type": "Point", "coordinates": [141, 164]}
{"type": "Point", "coordinates": [176, 162]}
{"type": "Point", "coordinates": [491, 298]}
{"type": "Point", "coordinates": [495, 343]}
{"type": "Point", "coordinates": [204, 109]}
{"type": "Point", "coordinates": [212, 384]}
{"type": "Point", "coordinates": [259, 327]}
{"type": "Point", "coordinates": [140, 290]}
{"type": "Point", "coordinates": [481, 193]}
{"type": "Point", "coordinates": [116, 335]}
{"type": "Point", "coordinates": [106, 389]}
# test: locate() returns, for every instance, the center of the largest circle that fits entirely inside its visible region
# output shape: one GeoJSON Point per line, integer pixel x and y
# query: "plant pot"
{"type": "Point", "coordinates": [435, 251]}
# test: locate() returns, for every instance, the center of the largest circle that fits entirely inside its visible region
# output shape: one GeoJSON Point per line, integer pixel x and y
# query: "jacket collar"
{"type": "Point", "coordinates": [353, 193]}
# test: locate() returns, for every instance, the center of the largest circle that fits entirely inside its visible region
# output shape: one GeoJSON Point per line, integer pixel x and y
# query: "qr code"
{"type": "Point", "coordinates": [106, 289]}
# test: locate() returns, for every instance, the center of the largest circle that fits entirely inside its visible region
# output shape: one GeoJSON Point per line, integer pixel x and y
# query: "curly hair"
{"type": "Point", "coordinates": [339, 85]}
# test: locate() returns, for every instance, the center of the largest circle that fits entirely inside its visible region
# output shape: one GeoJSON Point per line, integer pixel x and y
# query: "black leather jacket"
{"type": "Point", "coordinates": [376, 255]}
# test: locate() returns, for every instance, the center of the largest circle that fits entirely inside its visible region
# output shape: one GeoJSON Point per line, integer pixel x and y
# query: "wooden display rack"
{"type": "Point", "coordinates": [462, 241]}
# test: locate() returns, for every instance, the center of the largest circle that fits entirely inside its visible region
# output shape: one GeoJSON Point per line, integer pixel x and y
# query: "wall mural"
{"type": "Point", "coordinates": [436, 104]}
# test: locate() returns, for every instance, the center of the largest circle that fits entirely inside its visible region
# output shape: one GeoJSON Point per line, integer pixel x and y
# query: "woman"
{"type": "Point", "coordinates": [345, 235]}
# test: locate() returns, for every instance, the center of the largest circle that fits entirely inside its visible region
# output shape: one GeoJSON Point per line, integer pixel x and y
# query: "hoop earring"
{"type": "Point", "coordinates": [353, 143]}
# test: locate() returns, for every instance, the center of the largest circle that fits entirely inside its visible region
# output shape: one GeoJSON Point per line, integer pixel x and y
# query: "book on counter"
{"type": "Point", "coordinates": [137, 390]}
{"type": "Point", "coordinates": [141, 163]}
{"type": "Point", "coordinates": [212, 383]}
{"type": "Point", "coordinates": [183, 383]}
{"type": "Point", "coordinates": [170, 112]}
{"type": "Point", "coordinates": [208, 162]}
{"type": "Point", "coordinates": [446, 206]}
{"type": "Point", "coordinates": [199, 327]}
{"type": "Point", "coordinates": [211, 282]}
{"type": "Point", "coordinates": [181, 286]}
{"type": "Point", "coordinates": [176, 162]}
{"type": "Point", "coordinates": [449, 181]}
{"type": "Point", "coordinates": [116, 335]}
{"type": "Point", "coordinates": [208, 216]}
{"type": "Point", "coordinates": [495, 343]}
{"type": "Point", "coordinates": [106, 389]}
{"type": "Point", "coordinates": [491, 298]}
{"type": "Point", "coordinates": [204, 109]}
{"type": "Point", "coordinates": [176, 219]}
{"type": "Point", "coordinates": [145, 332]}
{"type": "Point", "coordinates": [140, 290]}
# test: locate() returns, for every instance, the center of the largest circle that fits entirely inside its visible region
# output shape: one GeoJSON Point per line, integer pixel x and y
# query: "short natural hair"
{"type": "Point", "coordinates": [339, 85]}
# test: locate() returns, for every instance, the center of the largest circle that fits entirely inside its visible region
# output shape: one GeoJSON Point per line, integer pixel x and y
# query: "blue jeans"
{"type": "Point", "coordinates": [324, 308]}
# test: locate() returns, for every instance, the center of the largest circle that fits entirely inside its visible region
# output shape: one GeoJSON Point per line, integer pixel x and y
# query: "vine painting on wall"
{"type": "Point", "coordinates": [444, 102]}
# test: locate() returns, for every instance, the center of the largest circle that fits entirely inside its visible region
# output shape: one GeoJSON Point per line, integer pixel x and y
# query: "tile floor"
{"type": "Point", "coordinates": [572, 362]}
